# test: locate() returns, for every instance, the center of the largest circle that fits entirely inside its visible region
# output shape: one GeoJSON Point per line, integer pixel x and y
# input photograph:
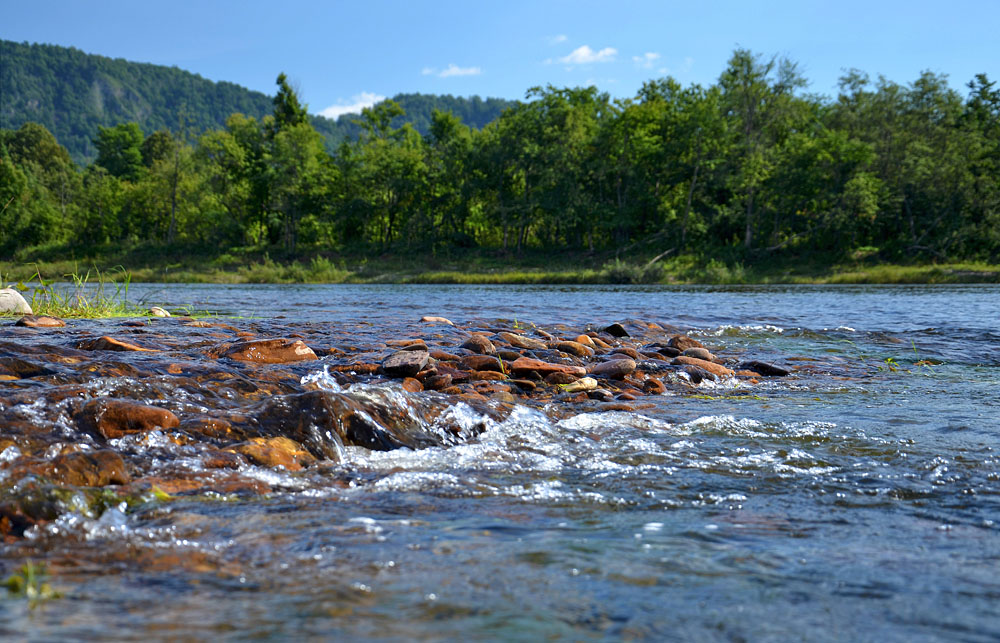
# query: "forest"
{"type": "Point", "coordinates": [752, 169]}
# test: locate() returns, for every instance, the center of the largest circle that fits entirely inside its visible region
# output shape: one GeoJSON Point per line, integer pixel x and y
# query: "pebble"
{"type": "Point", "coordinates": [156, 311]}
{"type": "Point", "coordinates": [700, 353]}
{"type": "Point", "coordinates": [581, 385]}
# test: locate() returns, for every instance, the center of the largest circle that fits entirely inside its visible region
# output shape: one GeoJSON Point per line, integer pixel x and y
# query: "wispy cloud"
{"type": "Point", "coordinates": [558, 40]}
{"type": "Point", "coordinates": [584, 55]}
{"type": "Point", "coordinates": [451, 70]}
{"type": "Point", "coordinates": [360, 101]}
{"type": "Point", "coordinates": [647, 60]}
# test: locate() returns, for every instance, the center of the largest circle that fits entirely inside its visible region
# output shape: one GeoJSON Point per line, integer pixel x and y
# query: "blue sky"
{"type": "Point", "coordinates": [341, 55]}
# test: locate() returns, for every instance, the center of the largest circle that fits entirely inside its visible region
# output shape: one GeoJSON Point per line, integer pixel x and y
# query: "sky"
{"type": "Point", "coordinates": [342, 56]}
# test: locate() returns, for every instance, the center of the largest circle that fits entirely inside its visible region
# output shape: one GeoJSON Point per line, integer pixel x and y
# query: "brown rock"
{"type": "Point", "coordinates": [437, 382]}
{"type": "Point", "coordinates": [412, 385]}
{"type": "Point", "coordinates": [600, 343]}
{"type": "Point", "coordinates": [614, 369]}
{"type": "Point", "coordinates": [573, 348]}
{"type": "Point", "coordinates": [668, 351]}
{"type": "Point", "coordinates": [40, 321]}
{"type": "Point", "coordinates": [14, 368]}
{"type": "Point", "coordinates": [713, 368]}
{"type": "Point", "coordinates": [265, 351]}
{"type": "Point", "coordinates": [116, 418]}
{"type": "Point", "coordinates": [626, 350]}
{"type": "Point", "coordinates": [436, 320]}
{"type": "Point", "coordinates": [526, 365]}
{"type": "Point", "coordinates": [653, 386]}
{"type": "Point", "coordinates": [81, 469]}
{"type": "Point", "coordinates": [697, 374]}
{"type": "Point", "coordinates": [479, 344]}
{"type": "Point", "coordinates": [480, 363]}
{"type": "Point", "coordinates": [274, 452]}
{"type": "Point", "coordinates": [110, 344]}
{"type": "Point", "coordinates": [405, 363]}
{"type": "Point", "coordinates": [683, 342]}
{"type": "Point", "coordinates": [443, 356]}
{"type": "Point", "coordinates": [763, 368]}
{"type": "Point", "coordinates": [507, 355]}
{"type": "Point", "coordinates": [524, 385]}
{"type": "Point", "coordinates": [700, 353]}
{"type": "Point", "coordinates": [520, 341]}
{"type": "Point", "coordinates": [585, 340]}
{"type": "Point", "coordinates": [560, 378]}
{"type": "Point", "coordinates": [481, 376]}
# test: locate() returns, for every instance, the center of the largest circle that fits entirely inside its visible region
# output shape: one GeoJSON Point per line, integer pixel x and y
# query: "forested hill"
{"type": "Point", "coordinates": [71, 93]}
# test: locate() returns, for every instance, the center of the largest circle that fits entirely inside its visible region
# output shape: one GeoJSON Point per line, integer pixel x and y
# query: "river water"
{"type": "Point", "coordinates": [856, 499]}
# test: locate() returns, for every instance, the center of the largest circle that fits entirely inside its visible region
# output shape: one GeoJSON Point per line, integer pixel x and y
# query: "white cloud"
{"type": "Point", "coordinates": [646, 60]}
{"type": "Point", "coordinates": [584, 55]}
{"type": "Point", "coordinates": [428, 71]}
{"type": "Point", "coordinates": [455, 70]}
{"type": "Point", "coordinates": [555, 40]}
{"type": "Point", "coordinates": [360, 101]}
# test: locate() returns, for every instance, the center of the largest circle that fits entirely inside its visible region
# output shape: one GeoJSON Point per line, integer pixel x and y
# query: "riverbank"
{"type": "Point", "coordinates": [161, 265]}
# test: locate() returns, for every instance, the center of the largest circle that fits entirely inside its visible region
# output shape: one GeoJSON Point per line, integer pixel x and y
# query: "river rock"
{"type": "Point", "coordinates": [11, 301]}
{"type": "Point", "coordinates": [713, 368]}
{"type": "Point", "coordinates": [107, 343]}
{"type": "Point", "coordinates": [581, 385]}
{"type": "Point", "coordinates": [520, 341]}
{"type": "Point", "coordinates": [80, 469]}
{"type": "Point", "coordinates": [405, 363]}
{"type": "Point", "coordinates": [653, 386]}
{"type": "Point", "coordinates": [601, 395]}
{"type": "Point", "coordinates": [615, 369]}
{"type": "Point", "coordinates": [156, 311]}
{"type": "Point", "coordinates": [559, 378]}
{"type": "Point", "coordinates": [627, 351]}
{"type": "Point", "coordinates": [480, 363]}
{"type": "Point", "coordinates": [683, 342]}
{"type": "Point", "coordinates": [274, 452]}
{"type": "Point", "coordinates": [429, 319]}
{"type": "Point", "coordinates": [528, 366]}
{"type": "Point", "coordinates": [40, 321]}
{"type": "Point", "coordinates": [763, 368]}
{"type": "Point", "coordinates": [586, 341]}
{"type": "Point", "coordinates": [700, 353]}
{"type": "Point", "coordinates": [573, 348]}
{"type": "Point", "coordinates": [266, 351]}
{"type": "Point", "coordinates": [616, 330]}
{"type": "Point", "coordinates": [117, 418]}
{"type": "Point", "coordinates": [508, 355]}
{"type": "Point", "coordinates": [698, 374]}
{"type": "Point", "coordinates": [668, 351]}
{"type": "Point", "coordinates": [479, 344]}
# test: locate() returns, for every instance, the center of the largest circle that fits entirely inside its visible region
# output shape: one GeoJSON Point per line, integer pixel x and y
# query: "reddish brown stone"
{"type": "Point", "coordinates": [110, 344]}
{"type": "Point", "coordinates": [526, 365]}
{"type": "Point", "coordinates": [711, 367]}
{"type": "Point", "coordinates": [40, 321]}
{"type": "Point", "coordinates": [437, 382]}
{"type": "Point", "coordinates": [614, 369]}
{"type": "Point", "coordinates": [653, 386]}
{"type": "Point", "coordinates": [479, 344]}
{"type": "Point", "coordinates": [683, 342]}
{"type": "Point", "coordinates": [116, 418]}
{"type": "Point", "coordinates": [412, 385]}
{"type": "Point", "coordinates": [573, 348]}
{"type": "Point", "coordinates": [520, 341]}
{"type": "Point", "coordinates": [560, 377]}
{"type": "Point", "coordinates": [480, 363]}
{"type": "Point", "coordinates": [265, 351]}
{"type": "Point", "coordinates": [80, 469]}
{"type": "Point", "coordinates": [274, 452]}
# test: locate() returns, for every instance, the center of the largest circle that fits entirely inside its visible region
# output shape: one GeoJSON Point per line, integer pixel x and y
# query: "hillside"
{"type": "Point", "coordinates": [71, 93]}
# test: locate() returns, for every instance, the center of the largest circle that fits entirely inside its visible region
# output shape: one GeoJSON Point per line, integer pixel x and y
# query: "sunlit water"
{"type": "Point", "coordinates": [858, 499]}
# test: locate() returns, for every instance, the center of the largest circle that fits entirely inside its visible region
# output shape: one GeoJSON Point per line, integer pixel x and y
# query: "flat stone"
{"type": "Point", "coordinates": [581, 385]}
{"type": "Point", "coordinates": [614, 369]}
{"type": "Point", "coordinates": [713, 368]}
{"type": "Point", "coordinates": [520, 341]}
{"type": "Point", "coordinates": [763, 368]}
{"type": "Point", "coordinates": [107, 343]}
{"type": "Point", "coordinates": [40, 321]}
{"type": "Point", "coordinates": [574, 348]}
{"type": "Point", "coordinates": [526, 365]}
{"type": "Point", "coordinates": [560, 378]}
{"type": "Point", "coordinates": [11, 301]}
{"type": "Point", "coordinates": [480, 363]}
{"type": "Point", "coordinates": [266, 351]}
{"type": "Point", "coordinates": [405, 363]}
{"type": "Point", "coordinates": [117, 418]}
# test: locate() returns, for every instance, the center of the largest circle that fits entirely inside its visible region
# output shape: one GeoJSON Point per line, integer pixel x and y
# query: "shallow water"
{"type": "Point", "coordinates": [857, 499]}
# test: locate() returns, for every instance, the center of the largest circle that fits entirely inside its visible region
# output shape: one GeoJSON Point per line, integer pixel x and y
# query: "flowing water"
{"type": "Point", "coordinates": [856, 499]}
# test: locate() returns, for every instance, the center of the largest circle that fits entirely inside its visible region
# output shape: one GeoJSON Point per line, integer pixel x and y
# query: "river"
{"type": "Point", "coordinates": [856, 499]}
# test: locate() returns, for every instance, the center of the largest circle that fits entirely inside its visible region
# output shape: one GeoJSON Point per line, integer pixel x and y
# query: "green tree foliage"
{"type": "Point", "coordinates": [750, 168]}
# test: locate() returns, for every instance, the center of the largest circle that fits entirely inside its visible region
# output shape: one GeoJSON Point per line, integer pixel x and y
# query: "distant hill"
{"type": "Point", "coordinates": [71, 93]}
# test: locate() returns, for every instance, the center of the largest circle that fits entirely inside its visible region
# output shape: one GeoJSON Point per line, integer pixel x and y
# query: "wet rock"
{"type": "Point", "coordinates": [526, 365]}
{"type": "Point", "coordinates": [626, 397]}
{"type": "Point", "coordinates": [560, 378]}
{"type": "Point", "coordinates": [80, 469]}
{"type": "Point", "coordinates": [107, 343]}
{"type": "Point", "coordinates": [683, 342]}
{"type": "Point", "coordinates": [265, 351]}
{"type": "Point", "coordinates": [713, 368]}
{"type": "Point", "coordinates": [573, 348]}
{"type": "Point", "coordinates": [412, 385]}
{"type": "Point", "coordinates": [437, 382]}
{"type": "Point", "coordinates": [274, 452]}
{"type": "Point", "coordinates": [405, 363]}
{"type": "Point", "coordinates": [508, 355]}
{"type": "Point", "coordinates": [479, 344]}
{"type": "Point", "coordinates": [668, 351]}
{"type": "Point", "coordinates": [614, 369]}
{"type": "Point", "coordinates": [600, 343]}
{"type": "Point", "coordinates": [653, 386]}
{"type": "Point", "coordinates": [627, 351]}
{"type": "Point", "coordinates": [601, 395]}
{"type": "Point", "coordinates": [113, 419]}
{"type": "Point", "coordinates": [156, 311]}
{"type": "Point", "coordinates": [586, 341]}
{"type": "Point", "coordinates": [16, 368]}
{"type": "Point", "coordinates": [520, 341]}
{"type": "Point", "coordinates": [436, 320]}
{"type": "Point", "coordinates": [416, 346]}
{"type": "Point", "coordinates": [40, 321]}
{"type": "Point", "coordinates": [200, 482]}
{"type": "Point", "coordinates": [480, 363]}
{"type": "Point", "coordinates": [11, 301]}
{"type": "Point", "coordinates": [763, 368]}
{"type": "Point", "coordinates": [616, 330]}
{"type": "Point", "coordinates": [698, 374]}
{"type": "Point", "coordinates": [700, 353]}
{"type": "Point", "coordinates": [525, 385]}
{"type": "Point", "coordinates": [443, 356]}
{"type": "Point", "coordinates": [581, 385]}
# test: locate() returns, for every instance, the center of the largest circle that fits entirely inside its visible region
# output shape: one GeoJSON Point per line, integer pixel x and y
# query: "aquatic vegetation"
{"type": "Point", "coordinates": [104, 295]}
{"type": "Point", "coordinates": [30, 582]}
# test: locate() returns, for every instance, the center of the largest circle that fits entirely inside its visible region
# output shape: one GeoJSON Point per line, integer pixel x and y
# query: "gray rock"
{"type": "Point", "coordinates": [700, 353]}
{"type": "Point", "coordinates": [405, 363]}
{"type": "Point", "coordinates": [769, 370]}
{"type": "Point", "coordinates": [11, 301]}
{"type": "Point", "coordinates": [615, 369]}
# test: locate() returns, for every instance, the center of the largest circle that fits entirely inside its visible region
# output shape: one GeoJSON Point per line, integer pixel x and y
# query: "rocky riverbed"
{"type": "Point", "coordinates": [221, 402]}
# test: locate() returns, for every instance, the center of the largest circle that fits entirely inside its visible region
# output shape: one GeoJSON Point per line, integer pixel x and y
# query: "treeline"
{"type": "Point", "coordinates": [750, 165]}
{"type": "Point", "coordinates": [72, 93]}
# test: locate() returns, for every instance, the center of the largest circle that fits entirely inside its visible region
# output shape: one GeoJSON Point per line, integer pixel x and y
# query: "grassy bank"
{"type": "Point", "coordinates": [201, 265]}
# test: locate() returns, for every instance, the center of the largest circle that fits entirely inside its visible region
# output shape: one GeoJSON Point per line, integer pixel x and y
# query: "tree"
{"type": "Point", "coordinates": [119, 150]}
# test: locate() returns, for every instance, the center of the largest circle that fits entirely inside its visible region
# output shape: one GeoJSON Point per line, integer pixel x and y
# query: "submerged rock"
{"type": "Point", "coordinates": [81, 469]}
{"type": "Point", "coordinates": [40, 321]}
{"type": "Point", "coordinates": [107, 343]}
{"type": "Point", "coordinates": [274, 452]}
{"type": "Point", "coordinates": [11, 301]}
{"type": "Point", "coordinates": [763, 368]}
{"type": "Point", "coordinates": [113, 418]}
{"type": "Point", "coordinates": [711, 367]}
{"type": "Point", "coordinates": [266, 351]}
